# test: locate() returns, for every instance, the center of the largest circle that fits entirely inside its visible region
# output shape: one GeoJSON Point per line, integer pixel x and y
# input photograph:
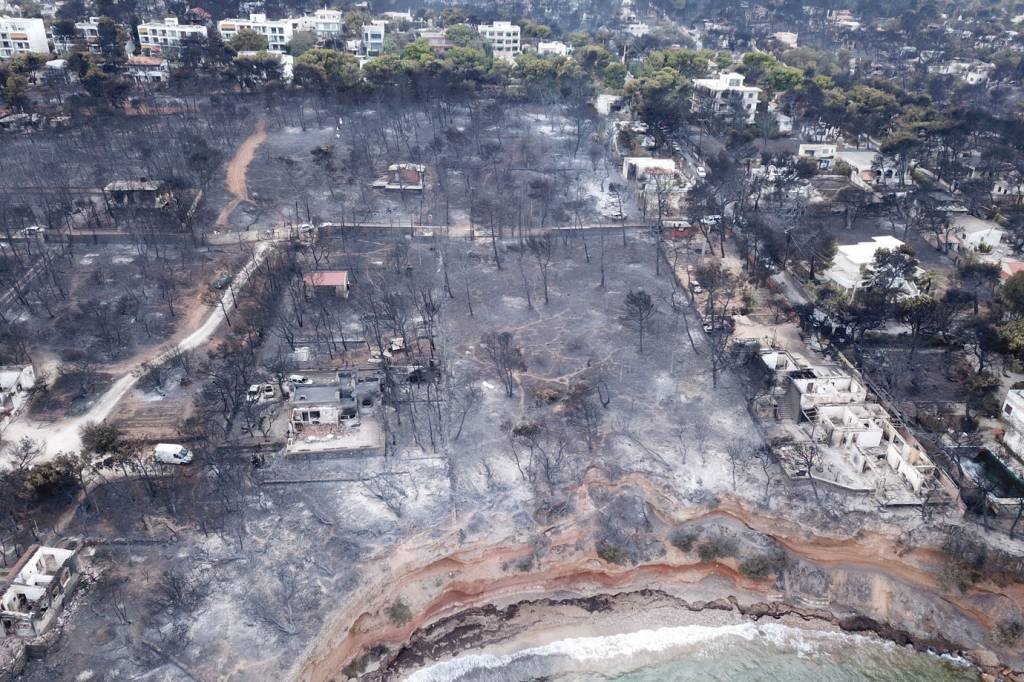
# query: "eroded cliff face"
{"type": "Point", "coordinates": [704, 557]}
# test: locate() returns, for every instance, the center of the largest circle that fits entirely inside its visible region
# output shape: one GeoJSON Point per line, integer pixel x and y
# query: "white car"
{"type": "Point", "coordinates": [701, 172]}
{"type": "Point", "coordinates": [172, 453]}
{"type": "Point", "coordinates": [32, 231]}
{"type": "Point", "coordinates": [298, 379]}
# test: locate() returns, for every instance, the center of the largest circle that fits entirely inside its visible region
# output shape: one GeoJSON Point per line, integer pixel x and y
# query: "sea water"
{"type": "Point", "coordinates": [746, 651]}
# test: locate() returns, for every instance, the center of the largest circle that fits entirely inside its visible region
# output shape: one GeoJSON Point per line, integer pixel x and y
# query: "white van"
{"type": "Point", "coordinates": [171, 453]}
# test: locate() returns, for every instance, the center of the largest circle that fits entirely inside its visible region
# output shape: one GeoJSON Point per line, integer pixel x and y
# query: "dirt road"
{"type": "Point", "coordinates": [62, 435]}
{"type": "Point", "coordinates": [238, 167]}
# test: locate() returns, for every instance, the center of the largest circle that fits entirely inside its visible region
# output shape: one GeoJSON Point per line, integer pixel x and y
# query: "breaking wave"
{"type": "Point", "coordinates": [631, 650]}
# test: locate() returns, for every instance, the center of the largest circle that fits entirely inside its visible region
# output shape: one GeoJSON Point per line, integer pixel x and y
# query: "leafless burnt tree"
{"type": "Point", "coordinates": [506, 358]}
{"type": "Point", "coordinates": [637, 312]}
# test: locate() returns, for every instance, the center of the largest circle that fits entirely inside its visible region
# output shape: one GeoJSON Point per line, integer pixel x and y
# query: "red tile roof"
{"type": "Point", "coordinates": [327, 278]}
{"type": "Point", "coordinates": [142, 60]}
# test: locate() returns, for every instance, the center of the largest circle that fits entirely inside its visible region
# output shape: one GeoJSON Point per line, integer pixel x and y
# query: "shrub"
{"type": "Point", "coordinates": [682, 540]}
{"type": "Point", "coordinates": [711, 550]}
{"type": "Point", "coordinates": [611, 554]}
{"type": "Point", "coordinates": [763, 566]}
{"type": "Point", "coordinates": [959, 575]}
{"type": "Point", "coordinates": [48, 480]}
{"type": "Point", "coordinates": [399, 613]}
{"type": "Point", "coordinates": [1007, 632]}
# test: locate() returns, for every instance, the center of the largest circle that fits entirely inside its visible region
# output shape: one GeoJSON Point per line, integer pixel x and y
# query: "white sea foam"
{"type": "Point", "coordinates": [587, 650]}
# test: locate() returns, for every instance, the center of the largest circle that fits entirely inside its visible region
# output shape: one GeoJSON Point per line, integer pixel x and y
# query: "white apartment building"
{"type": "Point", "coordinates": [22, 36]}
{"type": "Point", "coordinates": [373, 37]}
{"type": "Point", "coordinates": [325, 23]}
{"type": "Point", "coordinates": [278, 32]}
{"type": "Point", "coordinates": [87, 31]}
{"type": "Point", "coordinates": [724, 94]}
{"type": "Point", "coordinates": [504, 38]}
{"type": "Point", "coordinates": [158, 38]}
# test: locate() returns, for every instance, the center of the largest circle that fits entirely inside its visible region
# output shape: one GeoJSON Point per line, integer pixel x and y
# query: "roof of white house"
{"type": "Point", "coordinates": [721, 82]}
{"type": "Point", "coordinates": [968, 224]}
{"type": "Point", "coordinates": [643, 163]}
{"type": "Point", "coordinates": [859, 159]}
{"type": "Point", "coordinates": [863, 253]}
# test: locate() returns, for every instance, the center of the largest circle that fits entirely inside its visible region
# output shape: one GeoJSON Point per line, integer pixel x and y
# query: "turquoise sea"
{"type": "Point", "coordinates": [747, 652]}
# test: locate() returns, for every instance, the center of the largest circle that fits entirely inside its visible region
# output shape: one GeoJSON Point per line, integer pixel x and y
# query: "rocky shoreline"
{"type": "Point", "coordinates": [727, 564]}
{"type": "Point", "coordinates": [528, 623]}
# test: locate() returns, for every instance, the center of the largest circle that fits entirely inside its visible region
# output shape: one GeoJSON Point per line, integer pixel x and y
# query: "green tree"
{"type": "Point", "coordinates": [301, 42]}
{"type": "Point", "coordinates": [1011, 295]}
{"type": "Point", "coordinates": [248, 40]}
{"type": "Point", "coordinates": [462, 35]}
{"type": "Point", "coordinates": [532, 29]}
{"type": "Point", "coordinates": [780, 78]}
{"type": "Point", "coordinates": [111, 40]}
{"type": "Point", "coordinates": [465, 64]}
{"type": "Point", "coordinates": [890, 271]}
{"type": "Point", "coordinates": [15, 92]}
{"type": "Point", "coordinates": [384, 71]}
{"type": "Point", "coordinates": [253, 71]}
{"type": "Point", "coordinates": [614, 76]}
{"type": "Point", "coordinates": [327, 70]}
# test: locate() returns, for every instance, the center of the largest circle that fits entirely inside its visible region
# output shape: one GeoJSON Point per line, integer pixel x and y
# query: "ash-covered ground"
{"type": "Point", "coordinates": [238, 582]}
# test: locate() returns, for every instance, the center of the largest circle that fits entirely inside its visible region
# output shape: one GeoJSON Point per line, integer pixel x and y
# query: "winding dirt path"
{"type": "Point", "coordinates": [238, 168]}
{"type": "Point", "coordinates": [63, 435]}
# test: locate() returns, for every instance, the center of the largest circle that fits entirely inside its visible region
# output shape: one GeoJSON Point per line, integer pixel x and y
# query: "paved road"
{"type": "Point", "coordinates": [63, 435]}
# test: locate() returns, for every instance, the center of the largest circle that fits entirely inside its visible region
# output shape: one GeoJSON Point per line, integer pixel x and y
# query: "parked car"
{"type": "Point", "coordinates": [32, 231]}
{"type": "Point", "coordinates": [701, 172]}
{"type": "Point", "coordinates": [298, 379]}
{"type": "Point", "coordinates": [259, 392]}
{"type": "Point", "coordinates": [221, 282]}
{"type": "Point", "coordinates": [172, 453]}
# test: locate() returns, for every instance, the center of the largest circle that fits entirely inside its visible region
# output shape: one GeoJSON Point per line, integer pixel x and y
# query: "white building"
{"type": "Point", "coordinates": [786, 38]}
{"type": "Point", "coordinates": [159, 38]}
{"type": "Point", "coordinates": [554, 47]}
{"type": "Point", "coordinates": [22, 36]}
{"type": "Point", "coordinates": [1013, 415]}
{"type": "Point", "coordinates": [143, 69]}
{"type": "Point", "coordinates": [504, 38]}
{"type": "Point", "coordinates": [286, 61]}
{"type": "Point", "coordinates": [639, 167]}
{"type": "Point", "coordinates": [724, 94]}
{"type": "Point", "coordinates": [824, 154]}
{"type": "Point", "coordinates": [868, 169]}
{"type": "Point", "coordinates": [971, 73]}
{"type": "Point", "coordinates": [975, 233]}
{"type": "Point", "coordinates": [36, 590]}
{"type": "Point", "coordinates": [398, 16]}
{"type": "Point", "coordinates": [325, 23]}
{"type": "Point", "coordinates": [846, 271]}
{"type": "Point", "coordinates": [16, 385]}
{"type": "Point", "coordinates": [373, 37]}
{"type": "Point", "coordinates": [87, 31]}
{"type": "Point", "coordinates": [812, 387]}
{"type": "Point", "coordinates": [278, 32]}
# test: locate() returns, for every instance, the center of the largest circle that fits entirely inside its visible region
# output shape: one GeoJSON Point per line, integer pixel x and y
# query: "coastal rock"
{"type": "Point", "coordinates": [984, 658]}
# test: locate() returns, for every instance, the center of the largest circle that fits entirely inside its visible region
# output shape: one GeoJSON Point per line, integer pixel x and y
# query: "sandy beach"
{"type": "Point", "coordinates": [528, 625]}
